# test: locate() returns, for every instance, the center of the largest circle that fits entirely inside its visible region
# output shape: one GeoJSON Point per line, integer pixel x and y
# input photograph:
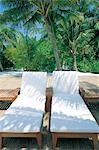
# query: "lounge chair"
{"type": "Point", "coordinates": [70, 117]}
{"type": "Point", "coordinates": [24, 117]}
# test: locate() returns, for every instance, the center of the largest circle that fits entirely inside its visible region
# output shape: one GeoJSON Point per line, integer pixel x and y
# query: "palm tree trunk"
{"type": "Point", "coordinates": [74, 61]}
{"type": "Point", "coordinates": [1, 67]}
{"type": "Point", "coordinates": [53, 42]}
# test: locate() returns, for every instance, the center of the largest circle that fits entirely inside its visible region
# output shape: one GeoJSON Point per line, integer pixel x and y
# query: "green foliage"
{"type": "Point", "coordinates": [23, 53]}
{"type": "Point", "coordinates": [73, 27]}
{"type": "Point", "coordinates": [97, 25]}
{"type": "Point", "coordinates": [30, 54]}
{"type": "Point", "coordinates": [7, 35]}
{"type": "Point", "coordinates": [89, 66]}
{"type": "Point", "coordinates": [44, 58]}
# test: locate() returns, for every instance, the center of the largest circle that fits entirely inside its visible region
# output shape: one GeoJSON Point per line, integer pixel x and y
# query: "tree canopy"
{"type": "Point", "coordinates": [70, 38]}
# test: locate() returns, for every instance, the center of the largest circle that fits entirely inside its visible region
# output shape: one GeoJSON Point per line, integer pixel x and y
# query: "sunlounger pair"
{"type": "Point", "coordinates": [70, 117]}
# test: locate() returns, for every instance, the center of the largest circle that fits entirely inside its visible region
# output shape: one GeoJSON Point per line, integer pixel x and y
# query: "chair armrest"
{"type": "Point", "coordinates": [49, 93]}
{"type": "Point", "coordinates": [17, 90]}
{"type": "Point", "coordinates": [81, 92]}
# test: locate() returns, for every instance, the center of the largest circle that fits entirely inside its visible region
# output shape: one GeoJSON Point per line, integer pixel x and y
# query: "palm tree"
{"type": "Point", "coordinates": [18, 48]}
{"type": "Point", "coordinates": [33, 11]}
{"type": "Point", "coordinates": [76, 31]}
{"type": "Point", "coordinates": [7, 35]}
{"type": "Point", "coordinates": [22, 55]}
{"type": "Point", "coordinates": [69, 31]}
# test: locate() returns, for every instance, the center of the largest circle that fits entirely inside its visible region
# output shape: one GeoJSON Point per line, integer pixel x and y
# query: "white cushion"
{"type": "Point", "coordinates": [17, 120]}
{"type": "Point", "coordinates": [26, 112]}
{"type": "Point", "coordinates": [33, 83]}
{"type": "Point", "coordinates": [24, 115]}
{"type": "Point", "coordinates": [36, 102]}
{"type": "Point", "coordinates": [65, 82]}
{"type": "Point", "coordinates": [70, 114]}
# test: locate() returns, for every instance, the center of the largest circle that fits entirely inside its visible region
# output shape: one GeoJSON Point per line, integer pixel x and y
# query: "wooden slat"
{"type": "Point", "coordinates": [10, 82]}
{"type": "Point", "coordinates": [90, 95]}
{"type": "Point", "coordinates": [8, 94]}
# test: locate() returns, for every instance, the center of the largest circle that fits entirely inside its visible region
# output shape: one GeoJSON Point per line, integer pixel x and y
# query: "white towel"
{"type": "Point", "coordinates": [65, 82]}
{"type": "Point", "coordinates": [33, 83]}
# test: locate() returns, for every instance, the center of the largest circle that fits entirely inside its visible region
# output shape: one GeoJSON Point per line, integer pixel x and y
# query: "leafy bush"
{"type": "Point", "coordinates": [89, 66]}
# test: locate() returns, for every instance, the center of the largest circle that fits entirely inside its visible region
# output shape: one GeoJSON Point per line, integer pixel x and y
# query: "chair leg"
{"type": "Point", "coordinates": [54, 141]}
{"type": "Point", "coordinates": [94, 138]}
{"type": "Point", "coordinates": [1, 141]}
{"type": "Point", "coordinates": [39, 141]}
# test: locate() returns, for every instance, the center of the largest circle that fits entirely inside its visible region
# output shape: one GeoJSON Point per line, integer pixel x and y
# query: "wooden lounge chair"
{"type": "Point", "coordinates": [24, 117]}
{"type": "Point", "coordinates": [70, 117]}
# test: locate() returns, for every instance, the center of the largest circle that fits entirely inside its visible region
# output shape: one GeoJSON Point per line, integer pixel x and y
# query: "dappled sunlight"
{"type": "Point", "coordinates": [68, 123]}
{"type": "Point", "coordinates": [40, 36]}
{"type": "Point", "coordinates": [72, 105]}
{"type": "Point", "coordinates": [65, 82]}
{"type": "Point", "coordinates": [69, 112]}
{"type": "Point", "coordinates": [26, 112]}
{"type": "Point", "coordinates": [21, 121]}
{"type": "Point", "coordinates": [37, 102]}
{"type": "Point", "coordinates": [33, 82]}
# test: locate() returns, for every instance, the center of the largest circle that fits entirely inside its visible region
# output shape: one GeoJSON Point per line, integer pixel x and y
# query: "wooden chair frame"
{"type": "Point", "coordinates": [36, 135]}
{"type": "Point", "coordinates": [56, 135]}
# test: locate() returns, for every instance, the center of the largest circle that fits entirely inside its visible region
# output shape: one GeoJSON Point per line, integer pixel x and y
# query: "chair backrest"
{"type": "Point", "coordinates": [33, 83]}
{"type": "Point", "coordinates": [65, 82]}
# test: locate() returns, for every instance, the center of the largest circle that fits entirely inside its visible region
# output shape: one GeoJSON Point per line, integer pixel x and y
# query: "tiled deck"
{"type": "Point", "coordinates": [62, 144]}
